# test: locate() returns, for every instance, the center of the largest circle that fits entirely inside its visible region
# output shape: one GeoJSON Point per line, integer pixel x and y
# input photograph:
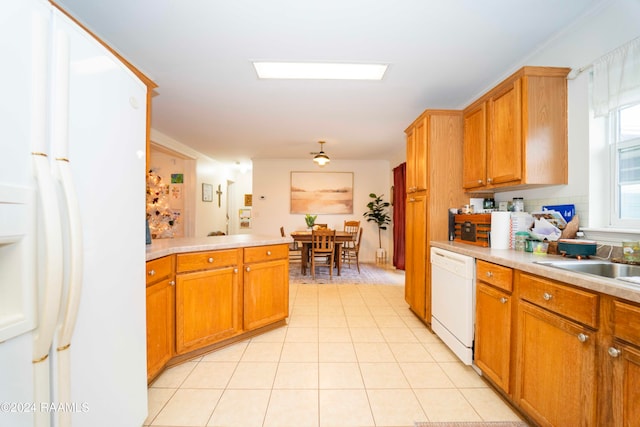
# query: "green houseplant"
{"type": "Point", "coordinates": [310, 220]}
{"type": "Point", "coordinates": [378, 213]}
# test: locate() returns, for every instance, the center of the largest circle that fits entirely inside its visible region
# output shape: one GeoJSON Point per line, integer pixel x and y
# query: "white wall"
{"type": "Point", "coordinates": [271, 198]}
{"type": "Point", "coordinates": [592, 36]}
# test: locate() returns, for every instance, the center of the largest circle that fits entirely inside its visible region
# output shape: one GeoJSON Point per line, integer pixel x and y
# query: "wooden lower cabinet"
{"type": "Point", "coordinates": [623, 356]}
{"type": "Point", "coordinates": [417, 293]}
{"type": "Point", "coordinates": [266, 293]}
{"type": "Point", "coordinates": [160, 309]}
{"type": "Point", "coordinates": [555, 369]}
{"type": "Point", "coordinates": [160, 325]}
{"type": "Point", "coordinates": [208, 307]}
{"type": "Point", "coordinates": [625, 399]}
{"type": "Point", "coordinates": [493, 334]}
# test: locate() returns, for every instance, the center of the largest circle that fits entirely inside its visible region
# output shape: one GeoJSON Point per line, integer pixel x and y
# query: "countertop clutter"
{"type": "Point", "coordinates": [526, 261]}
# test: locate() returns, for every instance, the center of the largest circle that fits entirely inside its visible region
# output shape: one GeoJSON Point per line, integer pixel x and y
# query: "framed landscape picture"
{"type": "Point", "coordinates": [322, 192]}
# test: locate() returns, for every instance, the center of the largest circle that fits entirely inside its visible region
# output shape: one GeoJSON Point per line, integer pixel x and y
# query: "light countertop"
{"type": "Point", "coordinates": [163, 247]}
{"type": "Point", "coordinates": [525, 261]}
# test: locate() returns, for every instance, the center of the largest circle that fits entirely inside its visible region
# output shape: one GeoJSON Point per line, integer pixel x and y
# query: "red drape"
{"type": "Point", "coordinates": [399, 200]}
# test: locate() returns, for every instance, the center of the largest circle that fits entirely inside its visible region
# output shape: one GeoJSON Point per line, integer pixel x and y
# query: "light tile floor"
{"type": "Point", "coordinates": [351, 355]}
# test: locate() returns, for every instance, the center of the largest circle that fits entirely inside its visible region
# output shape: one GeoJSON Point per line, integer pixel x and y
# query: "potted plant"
{"type": "Point", "coordinates": [310, 220]}
{"type": "Point", "coordinates": [378, 213]}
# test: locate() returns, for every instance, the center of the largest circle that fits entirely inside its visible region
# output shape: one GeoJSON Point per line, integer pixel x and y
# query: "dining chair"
{"type": "Point", "coordinates": [352, 227]}
{"type": "Point", "coordinates": [352, 253]}
{"type": "Point", "coordinates": [295, 249]}
{"type": "Point", "coordinates": [323, 243]}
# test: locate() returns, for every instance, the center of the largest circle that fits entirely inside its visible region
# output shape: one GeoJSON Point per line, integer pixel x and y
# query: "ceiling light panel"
{"type": "Point", "coordinates": [319, 71]}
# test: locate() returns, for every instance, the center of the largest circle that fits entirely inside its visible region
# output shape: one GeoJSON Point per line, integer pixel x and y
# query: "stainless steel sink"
{"type": "Point", "coordinates": [596, 268]}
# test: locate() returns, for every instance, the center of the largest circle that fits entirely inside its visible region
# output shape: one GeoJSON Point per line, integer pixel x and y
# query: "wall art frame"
{"type": "Point", "coordinates": [207, 192]}
{"type": "Point", "coordinates": [322, 193]}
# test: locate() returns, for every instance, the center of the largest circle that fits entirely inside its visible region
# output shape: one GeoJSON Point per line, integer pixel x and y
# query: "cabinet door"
{"type": "Point", "coordinates": [555, 371]}
{"type": "Point", "coordinates": [266, 293]}
{"type": "Point", "coordinates": [160, 325]}
{"type": "Point", "coordinates": [626, 378]}
{"type": "Point", "coordinates": [504, 148]}
{"type": "Point", "coordinates": [416, 293]}
{"type": "Point", "coordinates": [474, 170]}
{"type": "Point", "coordinates": [207, 308]}
{"type": "Point", "coordinates": [417, 157]}
{"type": "Point", "coordinates": [493, 334]}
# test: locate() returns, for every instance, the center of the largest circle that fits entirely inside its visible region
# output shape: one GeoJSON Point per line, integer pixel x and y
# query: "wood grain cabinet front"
{"type": "Point", "coordinates": [494, 309]}
{"type": "Point", "coordinates": [556, 367]}
{"type": "Point", "coordinates": [516, 134]}
{"type": "Point", "coordinates": [160, 308]}
{"type": "Point", "coordinates": [266, 285]}
{"type": "Point", "coordinates": [208, 301]}
{"type": "Point", "coordinates": [623, 356]}
{"type": "Point", "coordinates": [434, 184]}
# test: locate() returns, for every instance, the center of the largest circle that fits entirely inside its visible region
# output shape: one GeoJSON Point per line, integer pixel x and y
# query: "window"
{"type": "Point", "coordinates": [624, 143]}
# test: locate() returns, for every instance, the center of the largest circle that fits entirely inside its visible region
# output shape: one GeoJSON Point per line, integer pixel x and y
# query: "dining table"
{"type": "Point", "coordinates": [304, 238]}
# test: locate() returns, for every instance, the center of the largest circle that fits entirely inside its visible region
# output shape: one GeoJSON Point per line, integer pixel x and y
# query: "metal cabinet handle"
{"type": "Point", "coordinates": [489, 180]}
{"type": "Point", "coordinates": [151, 273]}
{"type": "Point", "coordinates": [172, 283]}
{"type": "Point", "coordinates": [248, 269]}
{"type": "Point", "coordinates": [268, 253]}
{"type": "Point", "coordinates": [480, 181]}
{"type": "Point", "coordinates": [489, 274]}
{"type": "Point", "coordinates": [411, 200]}
{"type": "Point", "coordinates": [504, 300]}
{"type": "Point", "coordinates": [614, 352]}
{"type": "Point", "coordinates": [547, 296]}
{"type": "Point", "coordinates": [235, 270]}
{"type": "Point", "coordinates": [210, 260]}
{"type": "Point", "coordinates": [582, 337]}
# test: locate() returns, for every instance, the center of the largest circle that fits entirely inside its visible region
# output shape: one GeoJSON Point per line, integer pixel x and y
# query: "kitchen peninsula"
{"type": "Point", "coordinates": [562, 346]}
{"type": "Point", "coordinates": [204, 293]}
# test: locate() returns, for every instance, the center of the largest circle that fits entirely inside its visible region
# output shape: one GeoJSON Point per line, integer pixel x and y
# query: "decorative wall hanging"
{"type": "Point", "coordinates": [207, 192]}
{"type": "Point", "coordinates": [322, 192]}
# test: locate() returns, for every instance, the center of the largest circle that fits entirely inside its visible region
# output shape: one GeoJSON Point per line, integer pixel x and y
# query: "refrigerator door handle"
{"type": "Point", "coordinates": [50, 281]}
{"type": "Point", "coordinates": [74, 263]}
{"type": "Point", "coordinates": [61, 152]}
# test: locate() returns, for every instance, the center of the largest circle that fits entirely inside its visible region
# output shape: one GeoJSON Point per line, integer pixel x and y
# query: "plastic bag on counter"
{"type": "Point", "coordinates": [545, 230]}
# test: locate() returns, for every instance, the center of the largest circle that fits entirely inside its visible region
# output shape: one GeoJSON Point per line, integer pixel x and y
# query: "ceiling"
{"type": "Point", "coordinates": [442, 54]}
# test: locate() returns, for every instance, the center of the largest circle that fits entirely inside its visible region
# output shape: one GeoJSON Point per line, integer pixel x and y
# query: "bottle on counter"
{"type": "Point", "coordinates": [521, 240]}
{"type": "Point", "coordinates": [518, 204]}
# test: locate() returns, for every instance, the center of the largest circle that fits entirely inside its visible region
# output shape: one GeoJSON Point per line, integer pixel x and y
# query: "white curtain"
{"type": "Point", "coordinates": [616, 79]}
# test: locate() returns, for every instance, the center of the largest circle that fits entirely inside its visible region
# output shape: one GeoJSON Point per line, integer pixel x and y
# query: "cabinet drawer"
{"type": "Point", "coordinates": [265, 253]}
{"type": "Point", "coordinates": [159, 269]}
{"type": "Point", "coordinates": [626, 322]}
{"type": "Point", "coordinates": [207, 260]}
{"type": "Point", "coordinates": [496, 275]}
{"type": "Point", "coordinates": [575, 304]}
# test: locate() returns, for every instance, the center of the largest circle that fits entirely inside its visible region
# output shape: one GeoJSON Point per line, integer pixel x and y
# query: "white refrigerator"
{"type": "Point", "coordinates": [72, 226]}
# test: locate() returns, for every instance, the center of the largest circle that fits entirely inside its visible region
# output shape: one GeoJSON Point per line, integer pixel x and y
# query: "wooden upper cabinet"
{"type": "Point", "coordinates": [504, 158]}
{"type": "Point", "coordinates": [417, 155]}
{"type": "Point", "coordinates": [475, 147]}
{"type": "Point", "coordinates": [525, 132]}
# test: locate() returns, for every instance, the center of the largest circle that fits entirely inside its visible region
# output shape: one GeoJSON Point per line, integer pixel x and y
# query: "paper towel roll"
{"type": "Point", "coordinates": [500, 228]}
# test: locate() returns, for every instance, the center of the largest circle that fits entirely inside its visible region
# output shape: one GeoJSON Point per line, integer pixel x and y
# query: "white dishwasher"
{"type": "Point", "coordinates": [453, 301]}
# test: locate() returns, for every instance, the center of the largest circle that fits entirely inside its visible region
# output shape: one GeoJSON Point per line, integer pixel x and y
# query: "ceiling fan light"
{"type": "Point", "coordinates": [321, 159]}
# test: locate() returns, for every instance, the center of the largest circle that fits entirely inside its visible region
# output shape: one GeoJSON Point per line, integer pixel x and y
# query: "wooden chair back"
{"type": "Point", "coordinates": [323, 241]}
{"type": "Point", "coordinates": [351, 227]}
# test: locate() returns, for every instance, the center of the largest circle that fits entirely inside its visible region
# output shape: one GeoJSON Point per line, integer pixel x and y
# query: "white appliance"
{"type": "Point", "coordinates": [453, 301]}
{"type": "Point", "coordinates": [72, 256]}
